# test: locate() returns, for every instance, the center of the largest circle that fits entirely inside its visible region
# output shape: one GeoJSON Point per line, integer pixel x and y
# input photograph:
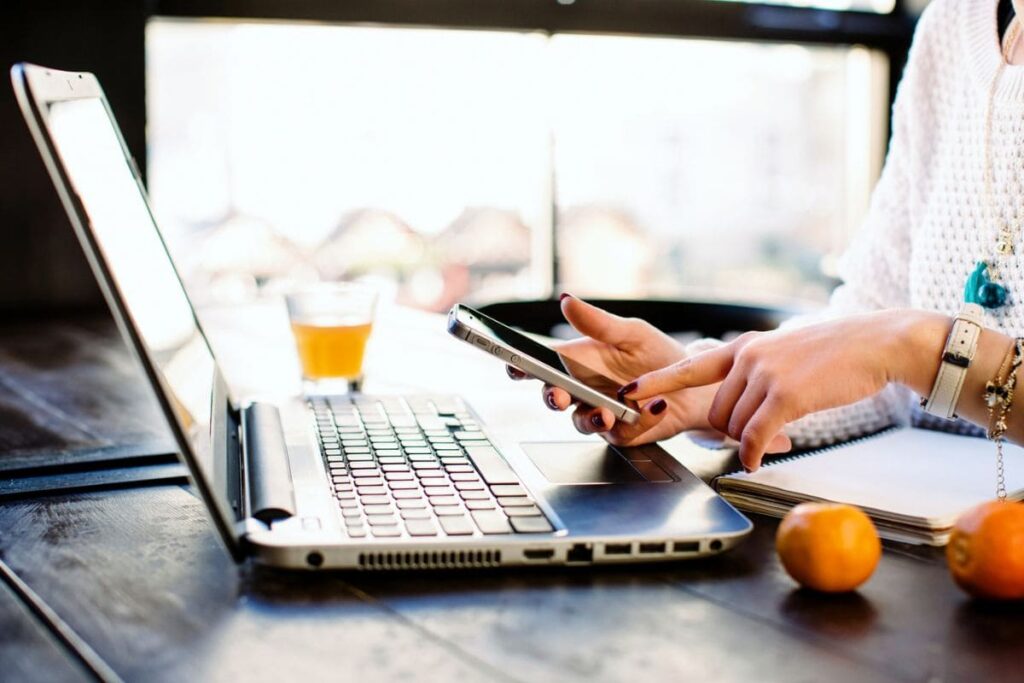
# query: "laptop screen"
{"type": "Point", "coordinates": [88, 145]}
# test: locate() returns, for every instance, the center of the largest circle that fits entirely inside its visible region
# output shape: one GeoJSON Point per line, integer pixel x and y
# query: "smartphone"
{"type": "Point", "coordinates": [539, 360]}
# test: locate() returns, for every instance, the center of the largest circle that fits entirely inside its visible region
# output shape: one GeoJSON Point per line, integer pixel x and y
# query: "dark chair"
{"type": "Point", "coordinates": [673, 317]}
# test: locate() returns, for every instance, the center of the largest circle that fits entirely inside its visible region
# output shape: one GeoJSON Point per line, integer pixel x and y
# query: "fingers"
{"type": "Point", "coordinates": [598, 324]}
{"type": "Point", "coordinates": [704, 368]}
{"type": "Point", "coordinates": [516, 373]}
{"type": "Point", "coordinates": [555, 398]}
{"type": "Point", "coordinates": [761, 431]}
{"type": "Point", "coordinates": [589, 420]}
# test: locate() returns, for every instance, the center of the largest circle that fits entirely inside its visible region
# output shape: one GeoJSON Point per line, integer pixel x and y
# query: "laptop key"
{"type": "Point", "coordinates": [415, 514]}
{"type": "Point", "coordinates": [470, 436]}
{"type": "Point", "coordinates": [474, 495]}
{"type": "Point", "coordinates": [531, 511]}
{"type": "Point", "coordinates": [508, 490]}
{"type": "Point", "coordinates": [443, 500]}
{"type": "Point", "coordinates": [372, 490]}
{"type": "Point", "coordinates": [491, 522]}
{"type": "Point", "coordinates": [420, 527]}
{"type": "Point", "coordinates": [491, 465]}
{"type": "Point", "coordinates": [385, 531]}
{"type": "Point", "coordinates": [480, 504]}
{"type": "Point", "coordinates": [407, 494]}
{"type": "Point", "coordinates": [375, 500]}
{"type": "Point", "coordinates": [403, 485]}
{"type": "Point", "coordinates": [357, 532]}
{"type": "Point", "coordinates": [378, 509]}
{"type": "Point", "coordinates": [411, 504]}
{"type": "Point", "coordinates": [382, 520]}
{"type": "Point", "coordinates": [531, 525]}
{"type": "Point", "coordinates": [430, 474]}
{"type": "Point", "coordinates": [515, 502]}
{"type": "Point", "coordinates": [359, 457]}
{"type": "Point", "coordinates": [456, 526]}
{"type": "Point", "coordinates": [447, 510]}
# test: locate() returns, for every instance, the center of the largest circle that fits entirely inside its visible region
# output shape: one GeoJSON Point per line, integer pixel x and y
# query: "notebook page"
{"type": "Point", "coordinates": [915, 473]}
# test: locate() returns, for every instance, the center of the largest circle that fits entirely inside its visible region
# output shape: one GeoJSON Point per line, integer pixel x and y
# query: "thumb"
{"type": "Point", "coordinates": [597, 323]}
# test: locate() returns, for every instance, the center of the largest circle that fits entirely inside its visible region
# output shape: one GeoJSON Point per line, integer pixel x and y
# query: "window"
{"type": "Point", "coordinates": [490, 165]}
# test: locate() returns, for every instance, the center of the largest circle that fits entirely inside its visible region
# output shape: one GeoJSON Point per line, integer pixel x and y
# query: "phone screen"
{"type": "Point", "coordinates": [540, 352]}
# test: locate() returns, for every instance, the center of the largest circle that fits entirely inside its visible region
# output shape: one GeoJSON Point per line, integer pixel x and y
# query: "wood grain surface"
{"type": "Point", "coordinates": [142, 577]}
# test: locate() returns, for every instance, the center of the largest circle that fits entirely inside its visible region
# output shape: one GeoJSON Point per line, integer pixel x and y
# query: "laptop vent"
{"type": "Point", "coordinates": [430, 560]}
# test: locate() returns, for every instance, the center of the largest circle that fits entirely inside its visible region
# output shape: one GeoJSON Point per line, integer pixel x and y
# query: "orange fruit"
{"type": "Point", "coordinates": [986, 551]}
{"type": "Point", "coordinates": [828, 547]}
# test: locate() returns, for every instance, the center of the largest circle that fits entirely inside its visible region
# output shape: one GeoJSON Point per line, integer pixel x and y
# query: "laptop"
{"type": "Point", "coordinates": [354, 481]}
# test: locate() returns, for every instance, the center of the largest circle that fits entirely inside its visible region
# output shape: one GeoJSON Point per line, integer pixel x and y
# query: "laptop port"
{"type": "Point", "coordinates": [686, 547]}
{"type": "Point", "coordinates": [716, 545]}
{"type": "Point", "coordinates": [617, 549]}
{"type": "Point", "coordinates": [580, 553]}
{"type": "Point", "coordinates": [538, 553]}
{"type": "Point", "coordinates": [652, 547]}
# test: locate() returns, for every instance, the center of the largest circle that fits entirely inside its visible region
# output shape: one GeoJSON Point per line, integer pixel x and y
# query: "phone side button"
{"type": "Point", "coordinates": [514, 359]}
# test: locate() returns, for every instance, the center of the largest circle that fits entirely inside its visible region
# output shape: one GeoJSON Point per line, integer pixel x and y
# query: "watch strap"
{"type": "Point", "coordinates": [957, 355]}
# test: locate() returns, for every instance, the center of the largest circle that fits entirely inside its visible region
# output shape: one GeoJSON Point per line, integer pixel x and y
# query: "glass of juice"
{"type": "Point", "coordinates": [331, 323]}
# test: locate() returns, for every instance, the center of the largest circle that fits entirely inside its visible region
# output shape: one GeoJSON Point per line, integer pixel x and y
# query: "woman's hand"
{"type": "Point", "coordinates": [769, 379]}
{"type": "Point", "coordinates": [623, 348]}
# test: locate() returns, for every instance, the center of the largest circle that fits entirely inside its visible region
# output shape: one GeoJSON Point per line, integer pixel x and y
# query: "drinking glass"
{"type": "Point", "coordinates": [331, 323]}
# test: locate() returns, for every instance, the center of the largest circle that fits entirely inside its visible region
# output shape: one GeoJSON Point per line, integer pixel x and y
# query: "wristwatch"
{"type": "Point", "coordinates": [956, 359]}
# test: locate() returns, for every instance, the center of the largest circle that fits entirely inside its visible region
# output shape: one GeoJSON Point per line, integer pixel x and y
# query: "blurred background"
{"type": "Point", "coordinates": [474, 151]}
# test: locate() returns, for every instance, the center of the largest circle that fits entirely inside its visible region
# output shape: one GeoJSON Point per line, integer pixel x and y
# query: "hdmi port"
{"type": "Point", "coordinates": [652, 547]}
{"type": "Point", "coordinates": [618, 549]}
{"type": "Point", "coordinates": [539, 553]}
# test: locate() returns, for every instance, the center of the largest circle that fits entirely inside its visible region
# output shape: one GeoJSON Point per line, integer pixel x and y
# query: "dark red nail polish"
{"type": "Point", "coordinates": [658, 407]}
{"type": "Point", "coordinates": [597, 420]}
{"type": "Point", "coordinates": [563, 296]}
{"type": "Point", "coordinates": [550, 400]}
{"type": "Point", "coordinates": [628, 389]}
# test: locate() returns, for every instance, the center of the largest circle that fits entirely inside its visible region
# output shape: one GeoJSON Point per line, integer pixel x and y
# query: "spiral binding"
{"type": "Point", "coordinates": [818, 451]}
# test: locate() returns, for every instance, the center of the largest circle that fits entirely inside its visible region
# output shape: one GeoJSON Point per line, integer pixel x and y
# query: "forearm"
{"type": "Point", "coordinates": [921, 337]}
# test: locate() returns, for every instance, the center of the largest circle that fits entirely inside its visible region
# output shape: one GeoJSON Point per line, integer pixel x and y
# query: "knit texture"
{"type": "Point", "coordinates": [928, 222]}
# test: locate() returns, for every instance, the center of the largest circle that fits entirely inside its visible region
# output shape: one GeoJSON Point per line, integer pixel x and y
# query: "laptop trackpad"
{"type": "Point", "coordinates": [581, 463]}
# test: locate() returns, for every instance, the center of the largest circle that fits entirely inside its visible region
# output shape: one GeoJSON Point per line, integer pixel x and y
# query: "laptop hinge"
{"type": "Point", "coordinates": [268, 477]}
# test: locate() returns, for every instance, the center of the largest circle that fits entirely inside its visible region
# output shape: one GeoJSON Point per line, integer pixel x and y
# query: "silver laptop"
{"type": "Point", "coordinates": [364, 482]}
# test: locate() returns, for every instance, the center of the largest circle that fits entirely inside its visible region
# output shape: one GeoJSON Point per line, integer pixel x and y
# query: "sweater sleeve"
{"type": "Point", "coordinates": [874, 274]}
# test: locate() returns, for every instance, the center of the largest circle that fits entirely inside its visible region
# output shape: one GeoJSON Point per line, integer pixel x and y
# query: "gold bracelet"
{"type": "Point", "coordinates": [999, 393]}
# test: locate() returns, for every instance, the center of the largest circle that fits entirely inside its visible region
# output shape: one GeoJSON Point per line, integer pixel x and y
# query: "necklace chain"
{"type": "Point", "coordinates": [1007, 231]}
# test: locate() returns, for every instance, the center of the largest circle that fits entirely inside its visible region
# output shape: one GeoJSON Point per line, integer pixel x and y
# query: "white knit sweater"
{"type": "Point", "coordinates": [927, 224]}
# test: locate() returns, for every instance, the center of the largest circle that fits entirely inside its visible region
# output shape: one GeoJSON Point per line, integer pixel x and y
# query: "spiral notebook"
{"type": "Point", "coordinates": [913, 483]}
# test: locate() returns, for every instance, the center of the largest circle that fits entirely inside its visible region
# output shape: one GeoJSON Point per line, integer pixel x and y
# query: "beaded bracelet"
{"type": "Point", "coordinates": [998, 396]}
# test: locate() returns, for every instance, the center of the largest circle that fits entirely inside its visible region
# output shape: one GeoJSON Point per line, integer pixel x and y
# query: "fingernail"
{"type": "Point", "coordinates": [628, 389]}
{"type": "Point", "coordinates": [597, 420]}
{"type": "Point", "coordinates": [550, 400]}
{"type": "Point", "coordinates": [512, 372]}
{"type": "Point", "coordinates": [563, 296]}
{"type": "Point", "coordinates": [658, 407]}
{"type": "Point", "coordinates": [747, 469]}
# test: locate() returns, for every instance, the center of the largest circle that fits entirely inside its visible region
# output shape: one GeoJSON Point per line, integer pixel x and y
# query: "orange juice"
{"type": "Point", "coordinates": [331, 350]}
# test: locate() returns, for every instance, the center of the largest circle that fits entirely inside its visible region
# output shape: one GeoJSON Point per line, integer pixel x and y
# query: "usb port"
{"type": "Point", "coordinates": [686, 546]}
{"type": "Point", "coordinates": [539, 553]}
{"type": "Point", "coordinates": [652, 547]}
{"type": "Point", "coordinates": [617, 549]}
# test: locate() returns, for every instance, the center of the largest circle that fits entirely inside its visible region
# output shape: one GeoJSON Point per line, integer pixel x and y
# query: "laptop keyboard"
{"type": "Point", "coordinates": [419, 467]}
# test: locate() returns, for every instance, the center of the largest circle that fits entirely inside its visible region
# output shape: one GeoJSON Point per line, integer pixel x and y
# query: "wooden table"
{"type": "Point", "coordinates": [140, 576]}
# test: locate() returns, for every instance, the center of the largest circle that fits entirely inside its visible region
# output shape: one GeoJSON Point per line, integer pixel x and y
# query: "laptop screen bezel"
{"type": "Point", "coordinates": [36, 89]}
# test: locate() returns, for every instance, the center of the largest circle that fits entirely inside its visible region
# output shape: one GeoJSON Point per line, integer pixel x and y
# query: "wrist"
{"type": "Point", "coordinates": [919, 338]}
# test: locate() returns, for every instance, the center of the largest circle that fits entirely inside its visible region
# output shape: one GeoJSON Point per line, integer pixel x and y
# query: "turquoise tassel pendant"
{"type": "Point", "coordinates": [980, 290]}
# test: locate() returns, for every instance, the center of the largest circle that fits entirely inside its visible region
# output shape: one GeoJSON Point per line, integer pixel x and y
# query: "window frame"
{"type": "Point", "coordinates": [889, 33]}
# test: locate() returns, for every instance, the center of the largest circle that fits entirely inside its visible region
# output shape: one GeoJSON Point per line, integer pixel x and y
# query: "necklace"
{"type": "Point", "coordinates": [983, 286]}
